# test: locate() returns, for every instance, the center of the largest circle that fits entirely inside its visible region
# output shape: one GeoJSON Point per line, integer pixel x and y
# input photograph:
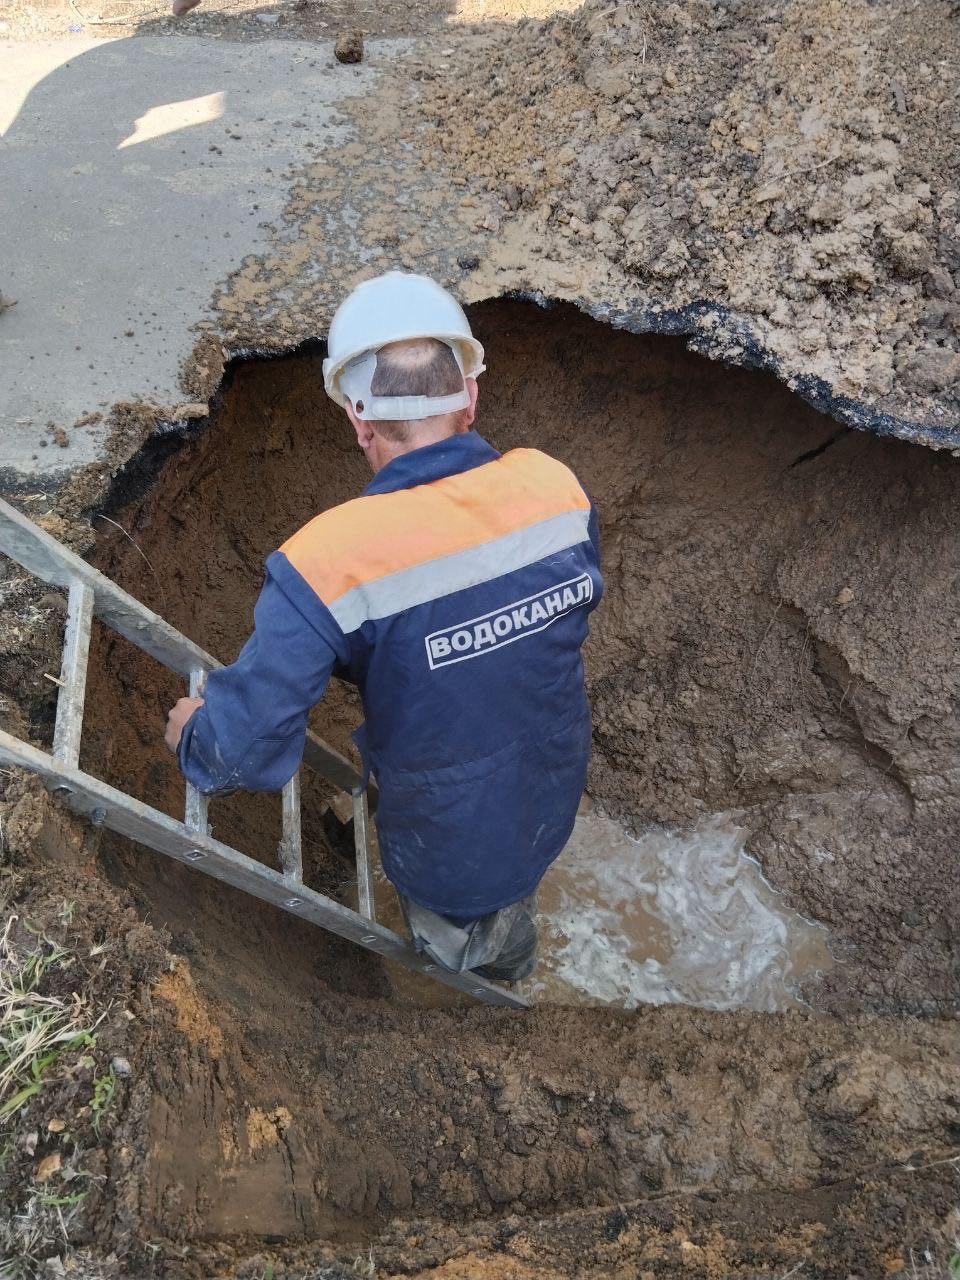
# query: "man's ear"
{"type": "Point", "coordinates": [363, 429]}
{"type": "Point", "coordinates": [471, 410]}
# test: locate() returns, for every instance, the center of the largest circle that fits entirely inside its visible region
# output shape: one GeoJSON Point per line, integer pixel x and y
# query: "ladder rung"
{"type": "Point", "coordinates": [361, 844]}
{"type": "Point", "coordinates": [291, 846]}
{"type": "Point", "coordinates": [73, 674]}
{"type": "Point", "coordinates": [197, 807]}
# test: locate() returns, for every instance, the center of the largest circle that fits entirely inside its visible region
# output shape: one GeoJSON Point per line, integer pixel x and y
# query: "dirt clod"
{"type": "Point", "coordinates": [349, 47]}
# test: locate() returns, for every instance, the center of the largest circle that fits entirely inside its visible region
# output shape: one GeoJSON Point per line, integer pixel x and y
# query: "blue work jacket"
{"type": "Point", "coordinates": [454, 593]}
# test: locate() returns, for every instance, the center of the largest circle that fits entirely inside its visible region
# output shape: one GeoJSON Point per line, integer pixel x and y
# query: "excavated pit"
{"type": "Point", "coordinates": [776, 642]}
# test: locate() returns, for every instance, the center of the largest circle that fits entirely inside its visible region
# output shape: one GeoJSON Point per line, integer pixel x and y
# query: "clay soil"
{"type": "Point", "coordinates": [776, 640]}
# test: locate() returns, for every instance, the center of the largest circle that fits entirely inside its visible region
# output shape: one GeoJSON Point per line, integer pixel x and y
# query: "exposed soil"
{"type": "Point", "coordinates": [777, 638]}
{"type": "Point", "coordinates": [796, 163]}
{"type": "Point", "coordinates": [258, 1134]}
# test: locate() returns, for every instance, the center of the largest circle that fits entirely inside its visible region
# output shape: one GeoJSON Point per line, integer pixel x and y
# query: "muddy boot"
{"type": "Point", "coordinates": [518, 957]}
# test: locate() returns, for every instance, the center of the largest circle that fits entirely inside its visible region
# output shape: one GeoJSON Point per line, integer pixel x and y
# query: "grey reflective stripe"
{"type": "Point", "coordinates": [441, 577]}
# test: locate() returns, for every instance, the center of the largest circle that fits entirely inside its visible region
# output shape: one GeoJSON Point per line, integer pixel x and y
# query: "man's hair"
{"type": "Point", "coordinates": [414, 367]}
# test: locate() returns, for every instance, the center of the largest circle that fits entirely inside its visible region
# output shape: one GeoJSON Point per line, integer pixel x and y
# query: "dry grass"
{"type": "Point", "coordinates": [32, 1239]}
{"type": "Point", "coordinates": [35, 1029]}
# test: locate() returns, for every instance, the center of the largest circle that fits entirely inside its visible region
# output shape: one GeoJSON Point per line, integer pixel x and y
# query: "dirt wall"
{"type": "Point", "coordinates": [777, 636]}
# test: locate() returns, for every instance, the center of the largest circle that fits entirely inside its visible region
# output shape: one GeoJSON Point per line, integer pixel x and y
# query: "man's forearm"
{"type": "Point", "coordinates": [201, 760]}
{"type": "Point", "coordinates": [248, 730]}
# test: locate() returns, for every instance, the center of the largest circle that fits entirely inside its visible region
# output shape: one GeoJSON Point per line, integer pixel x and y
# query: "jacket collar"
{"type": "Point", "coordinates": [461, 452]}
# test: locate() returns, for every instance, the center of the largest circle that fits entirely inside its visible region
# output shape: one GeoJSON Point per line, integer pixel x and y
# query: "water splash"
{"type": "Point", "coordinates": [669, 917]}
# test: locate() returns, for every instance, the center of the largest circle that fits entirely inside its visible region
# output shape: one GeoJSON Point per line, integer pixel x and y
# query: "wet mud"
{"type": "Point", "coordinates": [670, 917]}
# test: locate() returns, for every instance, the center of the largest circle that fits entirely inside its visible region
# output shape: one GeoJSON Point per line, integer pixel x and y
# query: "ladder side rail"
{"type": "Point", "coordinates": [330, 764]}
{"type": "Point", "coordinates": [361, 843]}
{"type": "Point", "coordinates": [73, 674]}
{"type": "Point", "coordinates": [197, 807]}
{"type": "Point", "coordinates": [90, 797]}
{"type": "Point", "coordinates": [291, 845]}
{"type": "Point", "coordinates": [57, 565]}
{"type": "Point", "coordinates": [46, 558]}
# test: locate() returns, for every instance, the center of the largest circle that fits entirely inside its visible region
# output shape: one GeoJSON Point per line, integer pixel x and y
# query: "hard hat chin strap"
{"type": "Point", "coordinates": [356, 379]}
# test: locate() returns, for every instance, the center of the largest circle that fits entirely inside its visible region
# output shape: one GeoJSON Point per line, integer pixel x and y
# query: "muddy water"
{"type": "Point", "coordinates": [668, 917]}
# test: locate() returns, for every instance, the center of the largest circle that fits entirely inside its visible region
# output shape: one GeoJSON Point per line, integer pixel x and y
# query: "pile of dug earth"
{"type": "Point", "coordinates": [795, 163]}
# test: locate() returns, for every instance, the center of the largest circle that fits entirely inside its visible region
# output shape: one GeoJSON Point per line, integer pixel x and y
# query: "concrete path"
{"type": "Point", "coordinates": [135, 175]}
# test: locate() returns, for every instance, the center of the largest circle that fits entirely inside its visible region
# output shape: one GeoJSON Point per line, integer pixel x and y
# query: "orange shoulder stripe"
{"type": "Point", "coordinates": [382, 533]}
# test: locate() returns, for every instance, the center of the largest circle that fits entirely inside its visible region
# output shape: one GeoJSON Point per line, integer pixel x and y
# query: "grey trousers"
{"type": "Point", "coordinates": [501, 945]}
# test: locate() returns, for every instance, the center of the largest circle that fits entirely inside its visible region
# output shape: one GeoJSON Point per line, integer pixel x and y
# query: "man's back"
{"type": "Point", "coordinates": [454, 593]}
{"type": "Point", "coordinates": [461, 583]}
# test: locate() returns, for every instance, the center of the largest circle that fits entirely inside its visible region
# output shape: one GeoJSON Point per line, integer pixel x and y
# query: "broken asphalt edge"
{"type": "Point", "coordinates": [711, 330]}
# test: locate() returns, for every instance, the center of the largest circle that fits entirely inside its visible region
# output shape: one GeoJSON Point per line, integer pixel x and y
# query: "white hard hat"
{"type": "Point", "coordinates": [391, 308]}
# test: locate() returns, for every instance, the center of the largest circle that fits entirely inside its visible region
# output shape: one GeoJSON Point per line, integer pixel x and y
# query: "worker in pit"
{"type": "Point", "coordinates": [454, 593]}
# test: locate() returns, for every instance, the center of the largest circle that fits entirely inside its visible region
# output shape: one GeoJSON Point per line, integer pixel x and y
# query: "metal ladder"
{"type": "Point", "coordinates": [91, 595]}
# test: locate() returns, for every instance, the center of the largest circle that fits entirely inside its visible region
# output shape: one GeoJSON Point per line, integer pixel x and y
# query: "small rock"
{"type": "Point", "coordinates": [468, 261]}
{"type": "Point", "coordinates": [47, 1167]}
{"type": "Point", "coordinates": [610, 79]}
{"type": "Point", "coordinates": [672, 261]}
{"type": "Point", "coordinates": [191, 409]}
{"type": "Point", "coordinates": [613, 214]}
{"type": "Point", "coordinates": [121, 1067]}
{"type": "Point", "coordinates": [939, 283]}
{"type": "Point", "coordinates": [511, 195]}
{"type": "Point", "coordinates": [349, 47]}
{"type": "Point", "coordinates": [843, 597]}
{"type": "Point", "coordinates": [56, 1126]}
{"type": "Point", "coordinates": [910, 255]}
{"type": "Point", "coordinates": [935, 370]}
